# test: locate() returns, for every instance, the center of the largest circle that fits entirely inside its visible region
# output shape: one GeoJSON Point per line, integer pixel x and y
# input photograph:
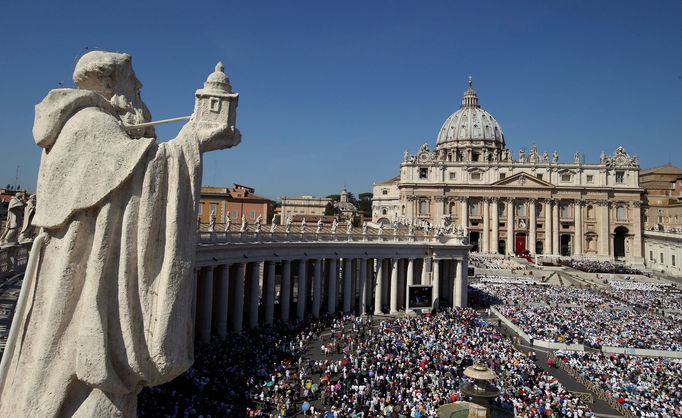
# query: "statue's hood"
{"type": "Point", "coordinates": [59, 105]}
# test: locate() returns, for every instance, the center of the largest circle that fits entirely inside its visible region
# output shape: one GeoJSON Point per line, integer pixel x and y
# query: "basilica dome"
{"type": "Point", "coordinates": [470, 125]}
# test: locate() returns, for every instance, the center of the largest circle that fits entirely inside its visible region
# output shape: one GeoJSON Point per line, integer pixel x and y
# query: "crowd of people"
{"type": "Point", "coordinates": [600, 266]}
{"type": "Point", "coordinates": [495, 263]}
{"type": "Point", "coordinates": [595, 317]}
{"type": "Point", "coordinates": [642, 386]}
{"type": "Point", "coordinates": [398, 367]}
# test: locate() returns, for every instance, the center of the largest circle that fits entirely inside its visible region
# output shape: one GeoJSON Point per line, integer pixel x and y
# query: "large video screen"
{"type": "Point", "coordinates": [419, 296]}
{"type": "Point", "coordinates": [470, 272]}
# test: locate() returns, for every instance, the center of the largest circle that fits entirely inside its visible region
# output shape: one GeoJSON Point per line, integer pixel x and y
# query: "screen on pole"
{"type": "Point", "coordinates": [419, 296]}
{"type": "Point", "coordinates": [470, 271]}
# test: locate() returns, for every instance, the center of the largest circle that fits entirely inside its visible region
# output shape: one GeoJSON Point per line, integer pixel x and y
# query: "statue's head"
{"type": "Point", "coordinates": [111, 75]}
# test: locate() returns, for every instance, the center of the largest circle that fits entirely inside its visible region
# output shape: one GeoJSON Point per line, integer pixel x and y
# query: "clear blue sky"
{"type": "Point", "coordinates": [333, 92]}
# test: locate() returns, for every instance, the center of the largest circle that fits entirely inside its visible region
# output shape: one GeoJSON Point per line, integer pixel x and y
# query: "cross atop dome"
{"type": "Point", "coordinates": [470, 98]}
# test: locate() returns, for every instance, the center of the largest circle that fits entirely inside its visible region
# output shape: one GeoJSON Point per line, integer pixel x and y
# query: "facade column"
{"type": "Point", "coordinates": [317, 287]}
{"type": "Point", "coordinates": [548, 227]}
{"type": "Point", "coordinates": [401, 282]}
{"type": "Point", "coordinates": [253, 294]}
{"type": "Point", "coordinates": [464, 281]}
{"type": "Point", "coordinates": [221, 301]}
{"type": "Point", "coordinates": [347, 280]}
{"type": "Point", "coordinates": [578, 235]}
{"type": "Point", "coordinates": [378, 286]}
{"type": "Point", "coordinates": [285, 291]}
{"type": "Point", "coordinates": [464, 207]}
{"type": "Point", "coordinates": [363, 285]}
{"type": "Point", "coordinates": [555, 226]}
{"type": "Point", "coordinates": [300, 305]}
{"type": "Point", "coordinates": [425, 279]}
{"type": "Point", "coordinates": [604, 230]}
{"type": "Point", "coordinates": [206, 305]}
{"type": "Point", "coordinates": [435, 296]}
{"type": "Point", "coordinates": [238, 310]}
{"type": "Point", "coordinates": [269, 292]}
{"type": "Point", "coordinates": [394, 288]}
{"type": "Point", "coordinates": [637, 233]}
{"type": "Point", "coordinates": [410, 282]}
{"type": "Point", "coordinates": [533, 227]}
{"type": "Point", "coordinates": [510, 227]}
{"type": "Point", "coordinates": [439, 202]}
{"type": "Point", "coordinates": [332, 278]}
{"type": "Point", "coordinates": [495, 219]}
{"type": "Point", "coordinates": [486, 225]}
{"type": "Point", "coordinates": [457, 287]}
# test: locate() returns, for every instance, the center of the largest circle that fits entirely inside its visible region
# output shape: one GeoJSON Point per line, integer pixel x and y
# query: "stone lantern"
{"type": "Point", "coordinates": [216, 104]}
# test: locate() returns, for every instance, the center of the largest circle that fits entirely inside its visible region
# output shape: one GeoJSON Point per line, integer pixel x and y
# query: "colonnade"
{"type": "Point", "coordinates": [233, 296]}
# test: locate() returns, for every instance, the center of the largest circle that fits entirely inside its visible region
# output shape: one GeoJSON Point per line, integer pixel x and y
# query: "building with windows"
{"type": "Point", "coordinates": [235, 202]}
{"type": "Point", "coordinates": [663, 198]}
{"type": "Point", "coordinates": [533, 203]}
{"type": "Point", "coordinates": [309, 207]}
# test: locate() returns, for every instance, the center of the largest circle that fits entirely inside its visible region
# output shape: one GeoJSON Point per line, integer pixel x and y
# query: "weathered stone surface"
{"type": "Point", "coordinates": [109, 308]}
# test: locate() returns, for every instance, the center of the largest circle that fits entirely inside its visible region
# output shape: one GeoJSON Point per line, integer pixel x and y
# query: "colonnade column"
{"type": "Point", "coordinates": [464, 284]}
{"type": "Point", "coordinates": [221, 304]}
{"type": "Point", "coordinates": [269, 293]}
{"type": "Point", "coordinates": [378, 286]}
{"type": "Point", "coordinates": [238, 308]}
{"type": "Point", "coordinates": [206, 306]}
{"type": "Point", "coordinates": [486, 225]}
{"type": "Point", "coordinates": [548, 227]}
{"type": "Point", "coordinates": [332, 278]}
{"type": "Point", "coordinates": [533, 228]}
{"type": "Point", "coordinates": [285, 291]}
{"type": "Point", "coordinates": [578, 236]}
{"type": "Point", "coordinates": [495, 219]}
{"type": "Point", "coordinates": [457, 286]}
{"type": "Point", "coordinates": [317, 287]}
{"type": "Point", "coordinates": [510, 226]}
{"type": "Point", "coordinates": [301, 298]}
{"type": "Point", "coordinates": [253, 295]}
{"type": "Point", "coordinates": [556, 249]}
{"type": "Point", "coordinates": [410, 282]}
{"type": "Point", "coordinates": [393, 309]}
{"type": "Point", "coordinates": [347, 280]}
{"type": "Point", "coordinates": [363, 286]}
{"type": "Point", "coordinates": [435, 281]}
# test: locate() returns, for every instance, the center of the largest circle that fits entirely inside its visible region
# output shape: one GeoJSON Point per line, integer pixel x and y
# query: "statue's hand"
{"type": "Point", "coordinates": [215, 136]}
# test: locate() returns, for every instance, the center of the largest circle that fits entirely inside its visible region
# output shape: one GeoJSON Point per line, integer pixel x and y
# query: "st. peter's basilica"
{"type": "Point", "coordinates": [532, 204]}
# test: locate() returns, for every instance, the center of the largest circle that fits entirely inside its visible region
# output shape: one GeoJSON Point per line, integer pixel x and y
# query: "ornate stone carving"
{"type": "Point", "coordinates": [621, 159]}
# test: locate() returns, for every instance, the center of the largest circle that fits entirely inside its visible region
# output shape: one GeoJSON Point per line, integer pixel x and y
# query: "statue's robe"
{"type": "Point", "coordinates": [111, 306]}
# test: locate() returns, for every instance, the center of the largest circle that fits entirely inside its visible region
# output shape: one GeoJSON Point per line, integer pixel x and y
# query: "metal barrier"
{"type": "Point", "coordinates": [13, 260]}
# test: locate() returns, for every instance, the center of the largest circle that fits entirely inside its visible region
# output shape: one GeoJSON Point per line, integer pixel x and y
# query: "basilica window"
{"type": "Point", "coordinates": [565, 212]}
{"type": "Point", "coordinates": [475, 209]}
{"type": "Point", "coordinates": [503, 176]}
{"type": "Point", "coordinates": [384, 192]}
{"type": "Point", "coordinates": [252, 214]}
{"type": "Point", "coordinates": [565, 178]}
{"type": "Point", "coordinates": [661, 257]}
{"type": "Point", "coordinates": [590, 178]}
{"type": "Point", "coordinates": [620, 176]}
{"type": "Point", "coordinates": [620, 213]}
{"type": "Point", "coordinates": [453, 176]}
{"type": "Point", "coordinates": [651, 255]}
{"type": "Point", "coordinates": [590, 212]}
{"type": "Point", "coordinates": [423, 173]}
{"type": "Point", "coordinates": [423, 207]}
{"type": "Point", "coordinates": [520, 209]}
{"type": "Point", "coordinates": [475, 176]}
{"type": "Point", "coordinates": [384, 211]}
{"type": "Point", "coordinates": [539, 176]}
{"type": "Point", "coordinates": [673, 260]}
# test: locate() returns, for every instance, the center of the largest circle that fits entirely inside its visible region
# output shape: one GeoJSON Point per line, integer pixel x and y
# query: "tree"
{"type": "Point", "coordinates": [329, 209]}
{"type": "Point", "coordinates": [365, 203]}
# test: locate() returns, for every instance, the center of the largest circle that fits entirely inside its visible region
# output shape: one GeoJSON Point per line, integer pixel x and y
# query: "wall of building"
{"type": "Point", "coordinates": [663, 252]}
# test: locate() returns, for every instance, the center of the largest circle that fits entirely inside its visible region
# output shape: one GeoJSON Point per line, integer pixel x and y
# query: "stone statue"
{"type": "Point", "coordinates": [14, 213]}
{"type": "Point", "coordinates": [545, 157]}
{"type": "Point", "coordinates": [110, 308]}
{"type": "Point", "coordinates": [27, 230]}
{"type": "Point", "coordinates": [410, 229]}
{"type": "Point", "coordinates": [319, 226]}
{"type": "Point", "coordinates": [555, 157]}
{"type": "Point", "coordinates": [273, 227]}
{"type": "Point", "coordinates": [288, 224]}
{"type": "Point", "coordinates": [349, 227]}
{"type": "Point", "coordinates": [228, 223]}
{"type": "Point", "coordinates": [245, 225]}
{"type": "Point", "coordinates": [522, 155]}
{"type": "Point", "coordinates": [335, 224]}
{"type": "Point", "coordinates": [381, 229]}
{"type": "Point", "coordinates": [602, 158]}
{"type": "Point", "coordinates": [364, 228]}
{"type": "Point", "coordinates": [406, 156]}
{"type": "Point", "coordinates": [259, 221]}
{"type": "Point", "coordinates": [211, 222]}
{"type": "Point", "coordinates": [577, 158]}
{"type": "Point", "coordinates": [303, 224]}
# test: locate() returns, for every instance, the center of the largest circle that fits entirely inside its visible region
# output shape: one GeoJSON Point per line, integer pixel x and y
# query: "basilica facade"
{"type": "Point", "coordinates": [534, 204]}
